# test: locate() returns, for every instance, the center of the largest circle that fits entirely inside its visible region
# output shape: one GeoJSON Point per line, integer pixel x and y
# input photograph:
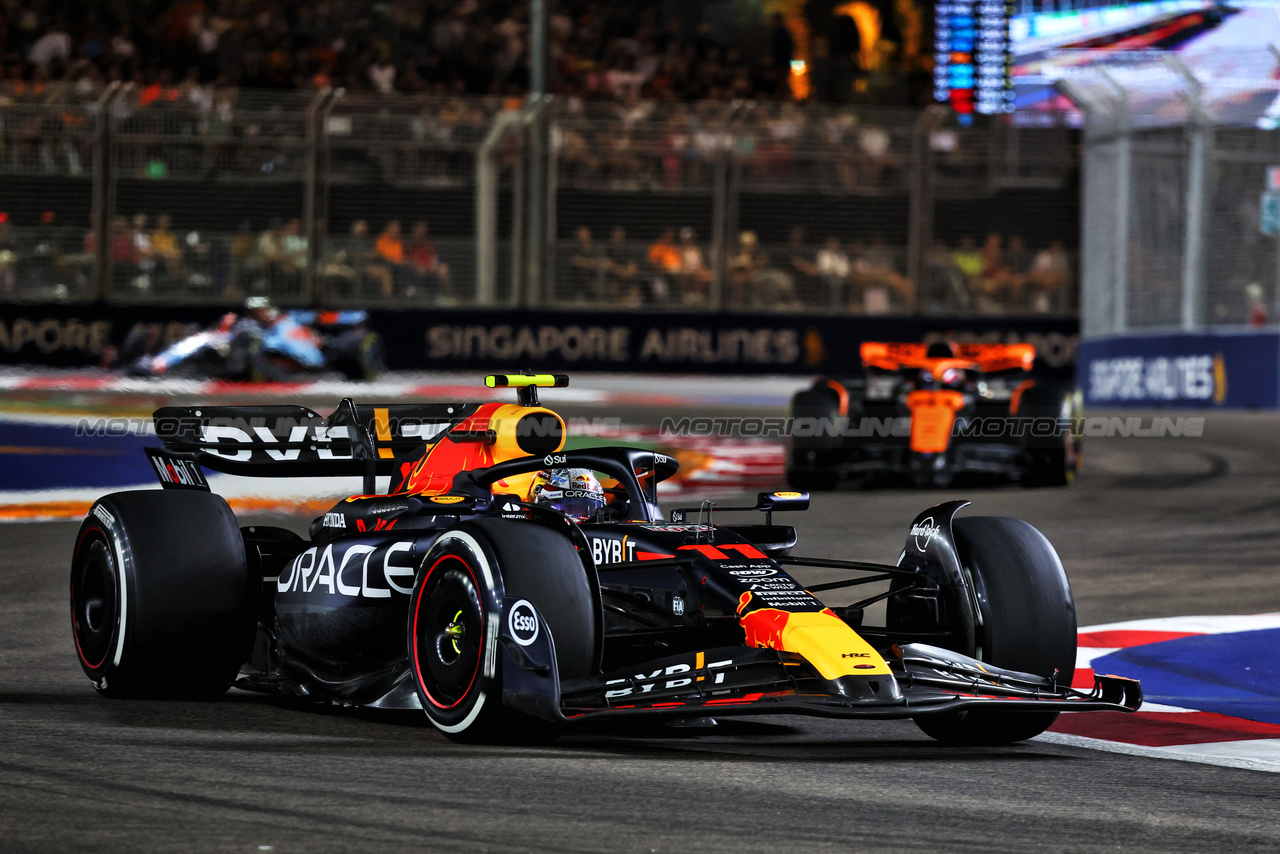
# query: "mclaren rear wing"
{"type": "Point", "coordinates": [989, 358]}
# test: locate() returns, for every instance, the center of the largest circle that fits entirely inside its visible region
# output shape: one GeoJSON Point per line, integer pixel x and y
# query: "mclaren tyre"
{"type": "Point", "coordinates": [1026, 621]}
{"type": "Point", "coordinates": [1052, 460]}
{"type": "Point", "coordinates": [458, 592]}
{"type": "Point", "coordinates": [160, 595]}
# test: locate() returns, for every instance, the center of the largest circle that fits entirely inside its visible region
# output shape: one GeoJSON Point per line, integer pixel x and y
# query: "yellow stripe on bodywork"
{"type": "Point", "coordinates": [382, 428]}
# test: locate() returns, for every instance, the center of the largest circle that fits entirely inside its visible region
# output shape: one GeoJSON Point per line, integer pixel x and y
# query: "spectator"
{"type": "Point", "coordinates": [52, 47]}
{"type": "Point", "coordinates": [945, 287]}
{"type": "Point", "coordinates": [695, 276]}
{"type": "Point", "coordinates": [390, 251]}
{"type": "Point", "coordinates": [8, 255]}
{"type": "Point", "coordinates": [1050, 273]}
{"type": "Point", "coordinates": [968, 260]}
{"type": "Point", "coordinates": [833, 273]}
{"type": "Point", "coordinates": [882, 287]}
{"type": "Point", "coordinates": [431, 275]}
{"type": "Point", "coordinates": [293, 246]}
{"type": "Point", "coordinates": [164, 247]}
{"type": "Point", "coordinates": [804, 267]}
{"type": "Point", "coordinates": [992, 288]}
{"type": "Point", "coordinates": [1257, 305]}
{"type": "Point", "coordinates": [243, 260]}
{"type": "Point", "coordinates": [622, 270]}
{"type": "Point", "coordinates": [586, 266]}
{"type": "Point", "coordinates": [754, 283]}
{"type": "Point", "coordinates": [270, 257]}
{"type": "Point", "coordinates": [124, 253]}
{"type": "Point", "coordinates": [142, 243]}
{"type": "Point", "coordinates": [664, 266]}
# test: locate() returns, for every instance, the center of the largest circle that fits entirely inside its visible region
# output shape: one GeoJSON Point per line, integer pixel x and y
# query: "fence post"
{"type": "Point", "coordinates": [1199, 129]}
{"type": "Point", "coordinates": [920, 205]}
{"type": "Point", "coordinates": [1124, 182]}
{"type": "Point", "coordinates": [317, 141]}
{"type": "Point", "coordinates": [719, 228]}
{"type": "Point", "coordinates": [487, 204]}
{"type": "Point", "coordinates": [102, 205]}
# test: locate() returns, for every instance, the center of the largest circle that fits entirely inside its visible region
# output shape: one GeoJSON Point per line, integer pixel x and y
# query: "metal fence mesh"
{"type": "Point", "coordinates": [1175, 166]}
{"type": "Point", "coordinates": [326, 197]}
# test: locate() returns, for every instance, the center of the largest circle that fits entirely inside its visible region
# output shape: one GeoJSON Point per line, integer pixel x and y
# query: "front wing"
{"type": "Point", "coordinates": [746, 681]}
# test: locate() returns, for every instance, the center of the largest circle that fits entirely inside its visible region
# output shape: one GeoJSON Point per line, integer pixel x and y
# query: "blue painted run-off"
{"type": "Point", "coordinates": [1234, 674]}
{"type": "Point", "coordinates": [44, 456]}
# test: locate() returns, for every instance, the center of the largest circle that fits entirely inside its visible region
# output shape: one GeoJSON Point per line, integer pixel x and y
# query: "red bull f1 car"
{"type": "Point", "coordinates": [466, 592]}
{"type": "Point", "coordinates": [934, 414]}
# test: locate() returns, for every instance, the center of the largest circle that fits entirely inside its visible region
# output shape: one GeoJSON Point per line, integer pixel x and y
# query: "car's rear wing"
{"type": "Point", "coordinates": [989, 358]}
{"type": "Point", "coordinates": [292, 441]}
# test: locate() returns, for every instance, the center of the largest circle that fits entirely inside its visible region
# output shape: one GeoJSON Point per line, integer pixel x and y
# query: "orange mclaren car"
{"type": "Point", "coordinates": [930, 413]}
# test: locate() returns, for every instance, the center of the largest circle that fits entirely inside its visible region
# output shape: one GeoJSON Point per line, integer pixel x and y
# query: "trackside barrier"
{"type": "Point", "coordinates": [80, 335]}
{"type": "Point", "coordinates": [1228, 370]}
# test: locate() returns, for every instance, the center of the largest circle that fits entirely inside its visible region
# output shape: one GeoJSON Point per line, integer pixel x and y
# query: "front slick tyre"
{"type": "Point", "coordinates": [456, 596]}
{"type": "Point", "coordinates": [1028, 623]}
{"type": "Point", "coordinates": [159, 595]}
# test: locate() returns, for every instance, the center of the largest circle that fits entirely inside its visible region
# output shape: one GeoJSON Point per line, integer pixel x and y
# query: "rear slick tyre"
{"type": "Point", "coordinates": [159, 595]}
{"type": "Point", "coordinates": [1027, 622]}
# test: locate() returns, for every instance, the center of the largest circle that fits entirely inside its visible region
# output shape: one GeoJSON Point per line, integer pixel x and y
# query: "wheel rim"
{"type": "Point", "coordinates": [449, 632]}
{"type": "Point", "coordinates": [94, 602]}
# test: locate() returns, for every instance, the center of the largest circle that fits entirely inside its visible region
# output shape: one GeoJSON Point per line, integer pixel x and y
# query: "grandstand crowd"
{"type": "Point", "coordinates": [481, 47]}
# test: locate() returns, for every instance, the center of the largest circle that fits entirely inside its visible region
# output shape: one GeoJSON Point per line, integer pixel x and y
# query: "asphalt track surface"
{"type": "Point", "coordinates": [1153, 527]}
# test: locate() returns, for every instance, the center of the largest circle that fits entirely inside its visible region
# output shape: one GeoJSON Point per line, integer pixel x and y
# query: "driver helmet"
{"type": "Point", "coordinates": [573, 492]}
{"type": "Point", "coordinates": [261, 309]}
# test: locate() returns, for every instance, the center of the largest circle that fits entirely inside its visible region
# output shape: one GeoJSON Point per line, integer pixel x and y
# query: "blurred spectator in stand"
{"type": "Point", "coordinates": [270, 256]}
{"type": "Point", "coordinates": [946, 284]}
{"type": "Point", "coordinates": [142, 243]}
{"type": "Point", "coordinates": [362, 255]}
{"type": "Point", "coordinates": [124, 254]}
{"type": "Point", "coordinates": [993, 287]}
{"type": "Point", "coordinates": [390, 250]}
{"type": "Point", "coordinates": [753, 282]}
{"type": "Point", "coordinates": [243, 262]}
{"type": "Point", "coordinates": [1017, 258]}
{"type": "Point", "coordinates": [45, 255]}
{"type": "Point", "coordinates": [887, 289]}
{"type": "Point", "coordinates": [622, 268]}
{"type": "Point", "coordinates": [664, 267]}
{"type": "Point", "coordinates": [586, 266]}
{"type": "Point", "coordinates": [804, 268]}
{"type": "Point", "coordinates": [695, 276]}
{"type": "Point", "coordinates": [833, 273]}
{"type": "Point", "coordinates": [8, 255]}
{"type": "Point", "coordinates": [431, 274]}
{"type": "Point", "coordinates": [1257, 306]}
{"type": "Point", "coordinates": [52, 49]}
{"type": "Point", "coordinates": [293, 248]}
{"type": "Point", "coordinates": [164, 245]}
{"type": "Point", "coordinates": [1050, 275]}
{"type": "Point", "coordinates": [968, 261]}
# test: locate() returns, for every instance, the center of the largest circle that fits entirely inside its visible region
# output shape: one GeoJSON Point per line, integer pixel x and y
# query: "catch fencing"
{"type": "Point", "coordinates": [1180, 210]}
{"type": "Point", "coordinates": [190, 194]}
